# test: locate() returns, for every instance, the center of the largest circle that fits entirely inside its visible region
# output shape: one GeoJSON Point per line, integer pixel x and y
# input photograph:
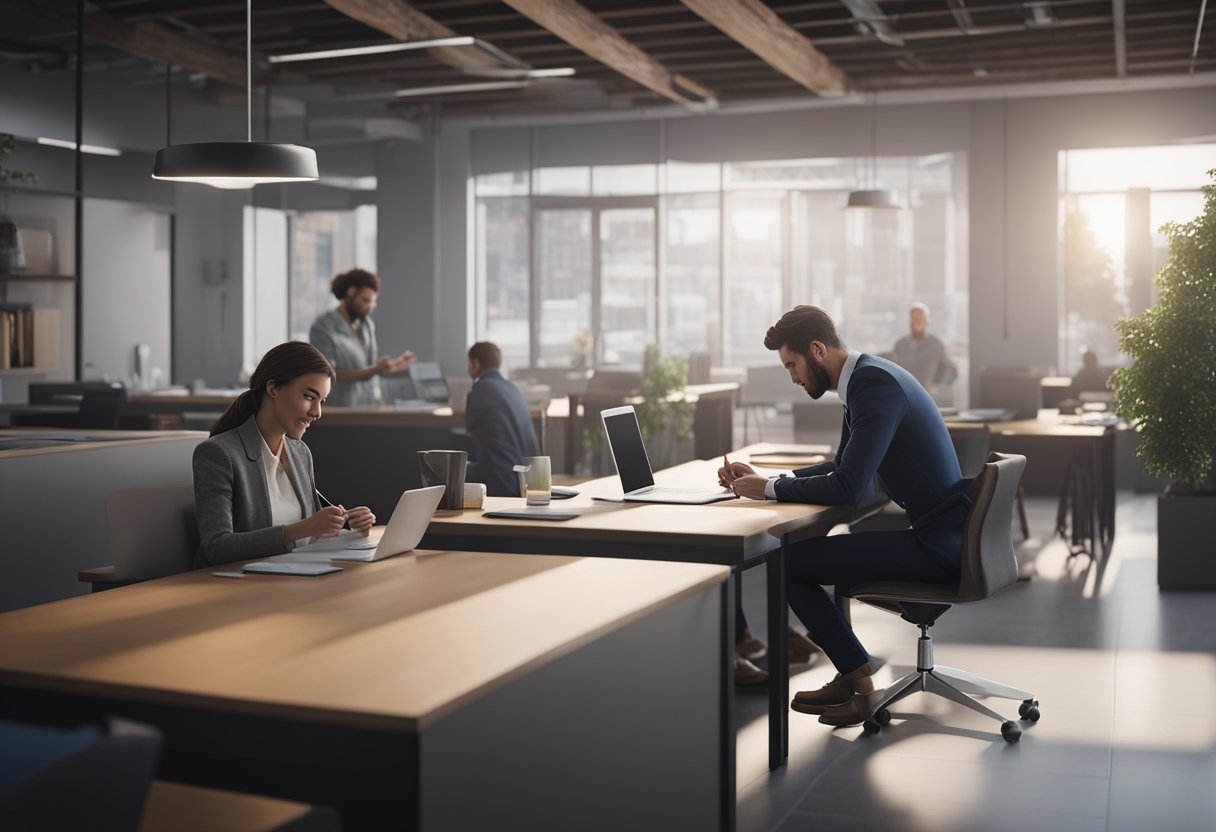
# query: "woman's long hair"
{"type": "Point", "coordinates": [282, 365]}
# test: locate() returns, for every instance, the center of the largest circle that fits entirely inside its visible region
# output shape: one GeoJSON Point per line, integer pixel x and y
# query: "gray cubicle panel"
{"type": "Point", "coordinates": [53, 507]}
{"type": "Point", "coordinates": [1013, 388]}
{"type": "Point", "coordinates": [768, 385]}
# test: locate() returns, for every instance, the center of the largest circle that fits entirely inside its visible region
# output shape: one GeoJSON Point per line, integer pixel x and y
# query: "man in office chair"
{"type": "Point", "coordinates": [892, 429]}
{"type": "Point", "coordinates": [499, 425]}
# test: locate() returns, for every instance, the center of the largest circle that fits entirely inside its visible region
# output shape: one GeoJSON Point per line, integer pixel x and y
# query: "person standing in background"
{"type": "Point", "coordinates": [347, 337]}
{"type": "Point", "coordinates": [924, 355]}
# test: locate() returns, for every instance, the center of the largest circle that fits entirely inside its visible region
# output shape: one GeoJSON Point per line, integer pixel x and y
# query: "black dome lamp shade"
{"type": "Point", "coordinates": [873, 196]}
{"type": "Point", "coordinates": [237, 164]}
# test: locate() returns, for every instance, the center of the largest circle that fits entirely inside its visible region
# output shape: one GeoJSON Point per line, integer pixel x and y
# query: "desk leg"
{"type": "Point", "coordinates": [726, 724]}
{"type": "Point", "coordinates": [778, 661]}
{"type": "Point", "coordinates": [1106, 482]}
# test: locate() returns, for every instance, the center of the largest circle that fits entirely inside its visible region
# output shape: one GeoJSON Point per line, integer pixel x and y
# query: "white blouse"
{"type": "Point", "coordinates": [284, 504]}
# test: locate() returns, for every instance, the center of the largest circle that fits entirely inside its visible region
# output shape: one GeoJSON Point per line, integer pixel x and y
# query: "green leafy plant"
{"type": "Point", "coordinates": [1169, 392]}
{"type": "Point", "coordinates": [663, 404]}
{"type": "Point", "coordinates": [8, 229]}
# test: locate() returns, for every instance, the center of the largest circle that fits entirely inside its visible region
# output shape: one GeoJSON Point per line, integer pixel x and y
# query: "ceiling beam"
{"type": "Point", "coordinates": [581, 28]}
{"type": "Point", "coordinates": [150, 40]}
{"type": "Point", "coordinates": [778, 44]}
{"type": "Point", "coordinates": [398, 19]}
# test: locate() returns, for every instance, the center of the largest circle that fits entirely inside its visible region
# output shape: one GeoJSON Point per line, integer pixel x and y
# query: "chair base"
{"type": "Point", "coordinates": [958, 686]}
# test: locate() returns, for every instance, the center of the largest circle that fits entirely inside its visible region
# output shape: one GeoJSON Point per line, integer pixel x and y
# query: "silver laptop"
{"type": "Point", "coordinates": [633, 465]}
{"type": "Point", "coordinates": [405, 528]}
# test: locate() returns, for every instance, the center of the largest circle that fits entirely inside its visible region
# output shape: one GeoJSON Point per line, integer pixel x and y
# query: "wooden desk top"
{"type": "Point", "coordinates": [71, 440]}
{"type": "Point", "coordinates": [1043, 427]}
{"type": "Point", "coordinates": [738, 524]}
{"type": "Point", "coordinates": [392, 646]}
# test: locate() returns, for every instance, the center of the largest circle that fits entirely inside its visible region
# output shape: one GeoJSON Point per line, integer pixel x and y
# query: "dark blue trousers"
{"type": "Point", "coordinates": [846, 560]}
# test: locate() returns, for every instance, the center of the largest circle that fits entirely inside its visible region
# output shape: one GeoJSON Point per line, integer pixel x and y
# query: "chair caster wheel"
{"type": "Point", "coordinates": [882, 716]}
{"type": "Point", "coordinates": [1010, 731]}
{"type": "Point", "coordinates": [1029, 710]}
{"type": "Point", "coordinates": [871, 726]}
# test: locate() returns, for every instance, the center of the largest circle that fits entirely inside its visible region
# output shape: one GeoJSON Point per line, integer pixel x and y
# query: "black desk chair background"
{"type": "Point", "coordinates": [988, 567]}
{"type": "Point", "coordinates": [101, 407]}
{"type": "Point", "coordinates": [93, 777]}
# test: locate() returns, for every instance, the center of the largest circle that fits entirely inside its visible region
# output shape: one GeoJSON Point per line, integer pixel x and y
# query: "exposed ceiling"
{"type": "Point", "coordinates": [628, 53]}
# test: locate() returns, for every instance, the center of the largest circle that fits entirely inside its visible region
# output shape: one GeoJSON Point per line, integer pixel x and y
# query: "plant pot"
{"type": "Point", "coordinates": [11, 259]}
{"type": "Point", "coordinates": [1186, 542]}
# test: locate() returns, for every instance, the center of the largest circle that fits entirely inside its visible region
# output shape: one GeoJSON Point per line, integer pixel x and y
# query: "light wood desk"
{"type": "Point", "coordinates": [432, 691]}
{"type": "Point", "coordinates": [737, 533]}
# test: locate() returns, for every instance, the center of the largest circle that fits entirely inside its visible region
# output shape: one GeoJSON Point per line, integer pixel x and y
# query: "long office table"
{"type": "Point", "coordinates": [431, 691]}
{"type": "Point", "coordinates": [736, 533]}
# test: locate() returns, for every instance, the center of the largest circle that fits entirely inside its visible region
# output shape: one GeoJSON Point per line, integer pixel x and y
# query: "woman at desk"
{"type": "Point", "coordinates": [254, 491]}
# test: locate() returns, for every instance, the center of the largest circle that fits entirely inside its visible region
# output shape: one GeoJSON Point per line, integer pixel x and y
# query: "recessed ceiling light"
{"type": "Point", "coordinates": [96, 149]}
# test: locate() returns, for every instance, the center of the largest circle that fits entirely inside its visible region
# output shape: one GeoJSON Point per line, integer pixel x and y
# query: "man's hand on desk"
{"type": "Point", "coordinates": [728, 474]}
{"type": "Point", "coordinates": [750, 486]}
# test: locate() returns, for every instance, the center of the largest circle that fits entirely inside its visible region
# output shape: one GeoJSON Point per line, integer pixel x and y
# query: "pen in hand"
{"type": "Point", "coordinates": [326, 502]}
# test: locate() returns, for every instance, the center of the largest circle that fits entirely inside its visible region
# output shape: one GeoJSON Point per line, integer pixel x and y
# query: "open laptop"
{"type": "Point", "coordinates": [405, 528]}
{"type": "Point", "coordinates": [633, 466]}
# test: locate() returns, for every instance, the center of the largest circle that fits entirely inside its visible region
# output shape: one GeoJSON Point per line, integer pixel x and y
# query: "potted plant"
{"type": "Point", "coordinates": [665, 415]}
{"type": "Point", "coordinates": [10, 245]}
{"type": "Point", "coordinates": [1168, 394]}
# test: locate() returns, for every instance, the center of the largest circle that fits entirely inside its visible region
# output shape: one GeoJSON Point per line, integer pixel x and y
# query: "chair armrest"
{"type": "Point", "coordinates": [97, 575]}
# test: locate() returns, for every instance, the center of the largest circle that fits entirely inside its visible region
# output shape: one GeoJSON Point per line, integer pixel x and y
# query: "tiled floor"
{"type": "Point", "coordinates": [1127, 680]}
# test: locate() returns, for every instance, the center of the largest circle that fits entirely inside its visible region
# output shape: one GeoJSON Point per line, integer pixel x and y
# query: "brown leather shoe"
{"type": "Point", "coordinates": [751, 648]}
{"type": "Point", "coordinates": [800, 649]}
{"type": "Point", "coordinates": [856, 711]}
{"type": "Point", "coordinates": [748, 675]}
{"type": "Point", "coordinates": [834, 694]}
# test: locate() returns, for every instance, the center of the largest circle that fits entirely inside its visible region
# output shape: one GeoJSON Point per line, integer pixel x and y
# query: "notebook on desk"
{"type": "Point", "coordinates": [405, 528]}
{"type": "Point", "coordinates": [633, 465]}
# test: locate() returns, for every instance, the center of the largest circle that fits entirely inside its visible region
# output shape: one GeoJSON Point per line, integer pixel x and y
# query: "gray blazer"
{"type": "Point", "coordinates": [232, 500]}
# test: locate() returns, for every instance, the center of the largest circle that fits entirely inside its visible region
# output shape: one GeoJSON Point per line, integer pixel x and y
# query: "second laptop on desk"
{"type": "Point", "coordinates": [633, 465]}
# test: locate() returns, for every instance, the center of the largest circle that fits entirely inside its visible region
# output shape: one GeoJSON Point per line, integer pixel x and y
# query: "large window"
{"type": "Point", "coordinates": [587, 265]}
{"type": "Point", "coordinates": [1113, 202]}
{"type": "Point", "coordinates": [324, 243]}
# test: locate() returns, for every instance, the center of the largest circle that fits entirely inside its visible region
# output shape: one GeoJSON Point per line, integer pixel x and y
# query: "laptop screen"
{"type": "Point", "coordinates": [628, 451]}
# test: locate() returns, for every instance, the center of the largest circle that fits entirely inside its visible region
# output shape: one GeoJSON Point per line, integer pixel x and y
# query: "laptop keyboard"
{"type": "Point", "coordinates": [661, 489]}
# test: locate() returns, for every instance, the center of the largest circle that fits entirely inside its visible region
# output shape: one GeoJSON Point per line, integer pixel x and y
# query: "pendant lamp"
{"type": "Point", "coordinates": [873, 196]}
{"type": "Point", "coordinates": [237, 164]}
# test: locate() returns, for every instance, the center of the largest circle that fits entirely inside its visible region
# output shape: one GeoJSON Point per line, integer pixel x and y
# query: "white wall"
{"type": "Point", "coordinates": [125, 288]}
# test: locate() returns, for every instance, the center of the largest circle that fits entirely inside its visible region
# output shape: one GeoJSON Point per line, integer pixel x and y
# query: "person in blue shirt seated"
{"type": "Point", "coordinates": [254, 489]}
{"type": "Point", "coordinates": [891, 429]}
{"type": "Point", "coordinates": [499, 425]}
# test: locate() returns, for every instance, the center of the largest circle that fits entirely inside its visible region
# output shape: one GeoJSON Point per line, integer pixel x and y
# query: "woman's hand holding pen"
{"type": "Point", "coordinates": [360, 519]}
{"type": "Point", "coordinates": [741, 479]}
{"type": "Point", "coordinates": [328, 521]}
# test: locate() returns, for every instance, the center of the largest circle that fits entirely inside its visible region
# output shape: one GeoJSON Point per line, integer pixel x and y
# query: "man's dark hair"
{"type": "Point", "coordinates": [799, 327]}
{"type": "Point", "coordinates": [487, 354]}
{"type": "Point", "coordinates": [359, 278]}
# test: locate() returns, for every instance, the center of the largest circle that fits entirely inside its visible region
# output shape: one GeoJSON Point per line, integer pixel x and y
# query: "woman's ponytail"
{"type": "Point", "coordinates": [282, 365]}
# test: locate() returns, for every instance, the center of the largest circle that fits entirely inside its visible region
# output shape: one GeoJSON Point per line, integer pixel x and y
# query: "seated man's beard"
{"type": "Point", "coordinates": [819, 378]}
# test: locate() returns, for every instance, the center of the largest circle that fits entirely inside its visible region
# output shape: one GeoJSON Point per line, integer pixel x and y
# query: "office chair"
{"type": "Point", "coordinates": [972, 443]}
{"type": "Point", "coordinates": [100, 407]}
{"type": "Point", "coordinates": [153, 532]}
{"type": "Point", "coordinates": [988, 566]}
{"type": "Point", "coordinates": [93, 777]}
